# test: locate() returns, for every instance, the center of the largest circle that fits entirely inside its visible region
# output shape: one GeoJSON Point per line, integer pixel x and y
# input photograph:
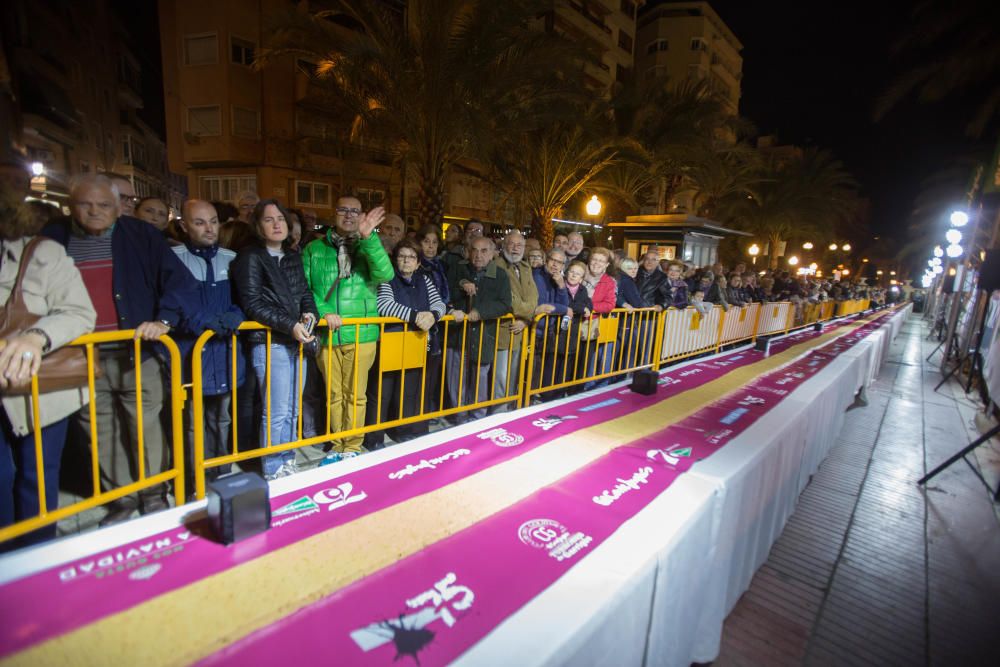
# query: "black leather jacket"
{"type": "Point", "coordinates": [272, 293]}
{"type": "Point", "coordinates": [653, 287]}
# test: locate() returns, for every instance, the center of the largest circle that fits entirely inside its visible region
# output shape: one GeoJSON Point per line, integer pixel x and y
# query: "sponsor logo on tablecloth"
{"type": "Point", "coordinates": [623, 485]}
{"type": "Point", "coordinates": [428, 464]}
{"type": "Point", "coordinates": [554, 537]}
{"type": "Point", "coordinates": [501, 437]}
{"type": "Point", "coordinates": [551, 421]}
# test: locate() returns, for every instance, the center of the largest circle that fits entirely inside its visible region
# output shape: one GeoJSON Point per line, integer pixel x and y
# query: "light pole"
{"type": "Point", "coordinates": [754, 250]}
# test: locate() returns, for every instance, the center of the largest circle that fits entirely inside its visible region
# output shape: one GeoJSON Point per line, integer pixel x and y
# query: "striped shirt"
{"type": "Point", "coordinates": [92, 255]}
{"type": "Point", "coordinates": [388, 306]}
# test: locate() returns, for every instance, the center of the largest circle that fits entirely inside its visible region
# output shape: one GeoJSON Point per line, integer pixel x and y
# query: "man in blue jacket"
{"type": "Point", "coordinates": [209, 264]}
{"type": "Point", "coordinates": [135, 282]}
{"type": "Point", "coordinates": [553, 301]}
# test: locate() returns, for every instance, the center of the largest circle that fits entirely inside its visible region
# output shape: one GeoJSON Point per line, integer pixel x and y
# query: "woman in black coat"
{"type": "Point", "coordinates": [271, 289]}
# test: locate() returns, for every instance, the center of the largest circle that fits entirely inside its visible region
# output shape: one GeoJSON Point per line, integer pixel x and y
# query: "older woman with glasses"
{"type": "Point", "coordinates": [603, 291]}
{"type": "Point", "coordinates": [412, 297]}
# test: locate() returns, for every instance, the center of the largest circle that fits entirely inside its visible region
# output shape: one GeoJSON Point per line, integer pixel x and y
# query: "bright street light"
{"type": "Point", "coordinates": [879, 272]}
{"type": "Point", "coordinates": [845, 272]}
{"type": "Point", "coordinates": [807, 245]}
{"type": "Point", "coordinates": [959, 218]}
{"type": "Point", "coordinates": [938, 269]}
{"type": "Point", "coordinates": [936, 261]}
{"type": "Point", "coordinates": [846, 247]}
{"type": "Point", "coordinates": [953, 251]}
{"type": "Point", "coordinates": [953, 236]}
{"type": "Point", "coordinates": [892, 273]}
{"type": "Point", "coordinates": [793, 260]}
{"type": "Point", "coordinates": [37, 168]}
{"type": "Point", "coordinates": [594, 206]}
{"type": "Point", "coordinates": [754, 250]}
{"type": "Point", "coordinates": [938, 251]}
{"type": "Point", "coordinates": [833, 246]}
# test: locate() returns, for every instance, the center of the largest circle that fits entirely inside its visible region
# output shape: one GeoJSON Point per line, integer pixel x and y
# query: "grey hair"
{"type": "Point", "coordinates": [628, 264]}
{"type": "Point", "coordinates": [93, 180]}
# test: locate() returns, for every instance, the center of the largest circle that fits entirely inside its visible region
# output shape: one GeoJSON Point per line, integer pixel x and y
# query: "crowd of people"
{"type": "Point", "coordinates": [118, 262]}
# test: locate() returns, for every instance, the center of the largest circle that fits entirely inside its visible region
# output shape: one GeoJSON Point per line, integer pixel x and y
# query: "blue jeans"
{"type": "Point", "coordinates": [19, 482]}
{"type": "Point", "coordinates": [284, 399]}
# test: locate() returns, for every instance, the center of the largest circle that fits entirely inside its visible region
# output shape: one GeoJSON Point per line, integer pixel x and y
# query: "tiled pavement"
{"type": "Point", "coordinates": [872, 569]}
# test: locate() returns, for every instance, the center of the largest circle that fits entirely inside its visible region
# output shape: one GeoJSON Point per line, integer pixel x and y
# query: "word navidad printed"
{"type": "Point", "coordinates": [554, 537]}
{"type": "Point", "coordinates": [135, 556]}
{"type": "Point", "coordinates": [428, 464]}
{"type": "Point", "coordinates": [640, 477]}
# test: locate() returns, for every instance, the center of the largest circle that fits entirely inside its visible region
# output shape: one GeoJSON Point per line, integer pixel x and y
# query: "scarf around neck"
{"type": "Point", "coordinates": [344, 245]}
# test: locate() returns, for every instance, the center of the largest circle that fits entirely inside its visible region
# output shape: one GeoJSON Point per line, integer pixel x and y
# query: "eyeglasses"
{"type": "Point", "coordinates": [348, 212]}
{"type": "Point", "coordinates": [128, 198]}
{"type": "Point", "coordinates": [407, 257]}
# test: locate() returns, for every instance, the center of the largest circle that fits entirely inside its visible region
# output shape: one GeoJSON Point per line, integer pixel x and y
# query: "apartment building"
{"type": "Point", "coordinates": [688, 39]}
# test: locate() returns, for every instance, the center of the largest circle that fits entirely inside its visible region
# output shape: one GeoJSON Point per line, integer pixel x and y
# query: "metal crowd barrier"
{"type": "Point", "coordinates": [572, 351]}
{"type": "Point", "coordinates": [174, 473]}
{"type": "Point", "coordinates": [552, 360]}
{"type": "Point", "coordinates": [402, 349]}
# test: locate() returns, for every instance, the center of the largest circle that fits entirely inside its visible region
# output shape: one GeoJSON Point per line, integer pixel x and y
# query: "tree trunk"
{"type": "Point", "coordinates": [775, 242]}
{"type": "Point", "coordinates": [541, 219]}
{"type": "Point", "coordinates": [430, 198]}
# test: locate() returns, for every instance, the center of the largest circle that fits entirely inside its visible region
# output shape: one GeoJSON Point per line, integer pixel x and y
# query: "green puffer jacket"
{"type": "Point", "coordinates": [355, 296]}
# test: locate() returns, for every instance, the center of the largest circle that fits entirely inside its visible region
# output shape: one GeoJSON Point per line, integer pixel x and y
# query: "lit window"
{"type": "Point", "coordinates": [201, 49]}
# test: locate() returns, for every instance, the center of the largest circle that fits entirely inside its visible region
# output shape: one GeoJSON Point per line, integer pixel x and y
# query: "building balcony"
{"type": "Point", "coordinates": [588, 15]}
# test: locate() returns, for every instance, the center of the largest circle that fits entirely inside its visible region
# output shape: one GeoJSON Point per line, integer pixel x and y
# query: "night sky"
{"type": "Point", "coordinates": [811, 74]}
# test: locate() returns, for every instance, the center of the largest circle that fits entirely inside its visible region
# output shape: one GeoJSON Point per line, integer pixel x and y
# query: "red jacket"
{"type": "Point", "coordinates": [605, 294]}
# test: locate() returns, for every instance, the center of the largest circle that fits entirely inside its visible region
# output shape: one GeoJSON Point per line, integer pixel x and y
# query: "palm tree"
{"type": "Point", "coordinates": [961, 35]}
{"type": "Point", "coordinates": [795, 199]}
{"type": "Point", "coordinates": [547, 166]}
{"type": "Point", "coordinates": [441, 82]}
{"type": "Point", "coordinates": [672, 126]}
{"type": "Point", "coordinates": [720, 175]}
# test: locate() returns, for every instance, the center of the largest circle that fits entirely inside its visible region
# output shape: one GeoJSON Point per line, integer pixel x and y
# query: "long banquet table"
{"type": "Point", "coordinates": [658, 590]}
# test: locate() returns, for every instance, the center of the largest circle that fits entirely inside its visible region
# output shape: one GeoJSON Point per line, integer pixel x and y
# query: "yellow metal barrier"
{"type": "Point", "coordinates": [174, 473]}
{"type": "Point", "coordinates": [570, 352]}
{"type": "Point", "coordinates": [401, 352]}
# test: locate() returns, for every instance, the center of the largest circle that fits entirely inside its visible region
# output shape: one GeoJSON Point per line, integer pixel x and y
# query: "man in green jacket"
{"type": "Point", "coordinates": [344, 270]}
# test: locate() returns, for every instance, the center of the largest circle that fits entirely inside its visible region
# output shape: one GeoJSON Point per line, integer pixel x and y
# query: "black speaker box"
{"type": "Point", "coordinates": [989, 272]}
{"type": "Point", "coordinates": [644, 382]}
{"type": "Point", "coordinates": [818, 327]}
{"type": "Point", "coordinates": [238, 506]}
{"type": "Point", "coordinates": [763, 344]}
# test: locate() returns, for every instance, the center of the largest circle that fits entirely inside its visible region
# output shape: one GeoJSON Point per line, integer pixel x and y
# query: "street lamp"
{"type": "Point", "coordinates": [37, 169]}
{"type": "Point", "coordinates": [814, 266]}
{"type": "Point", "coordinates": [754, 250]}
{"type": "Point", "coordinates": [959, 218]}
{"type": "Point", "coordinates": [953, 251]}
{"type": "Point", "coordinates": [846, 247]}
{"type": "Point", "coordinates": [938, 251]}
{"type": "Point", "coordinates": [594, 206]}
{"type": "Point", "coordinates": [807, 245]}
{"type": "Point", "coordinates": [879, 272]}
{"type": "Point", "coordinates": [953, 236]}
{"type": "Point", "coordinates": [793, 260]}
{"type": "Point", "coordinates": [833, 246]}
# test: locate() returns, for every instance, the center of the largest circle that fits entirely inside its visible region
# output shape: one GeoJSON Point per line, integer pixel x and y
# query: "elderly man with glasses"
{"type": "Point", "coordinates": [135, 281]}
{"type": "Point", "coordinates": [553, 300]}
{"type": "Point", "coordinates": [344, 270]}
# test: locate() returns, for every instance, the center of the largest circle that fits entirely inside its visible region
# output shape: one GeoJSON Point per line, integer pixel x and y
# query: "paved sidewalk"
{"type": "Point", "coordinates": [871, 569]}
